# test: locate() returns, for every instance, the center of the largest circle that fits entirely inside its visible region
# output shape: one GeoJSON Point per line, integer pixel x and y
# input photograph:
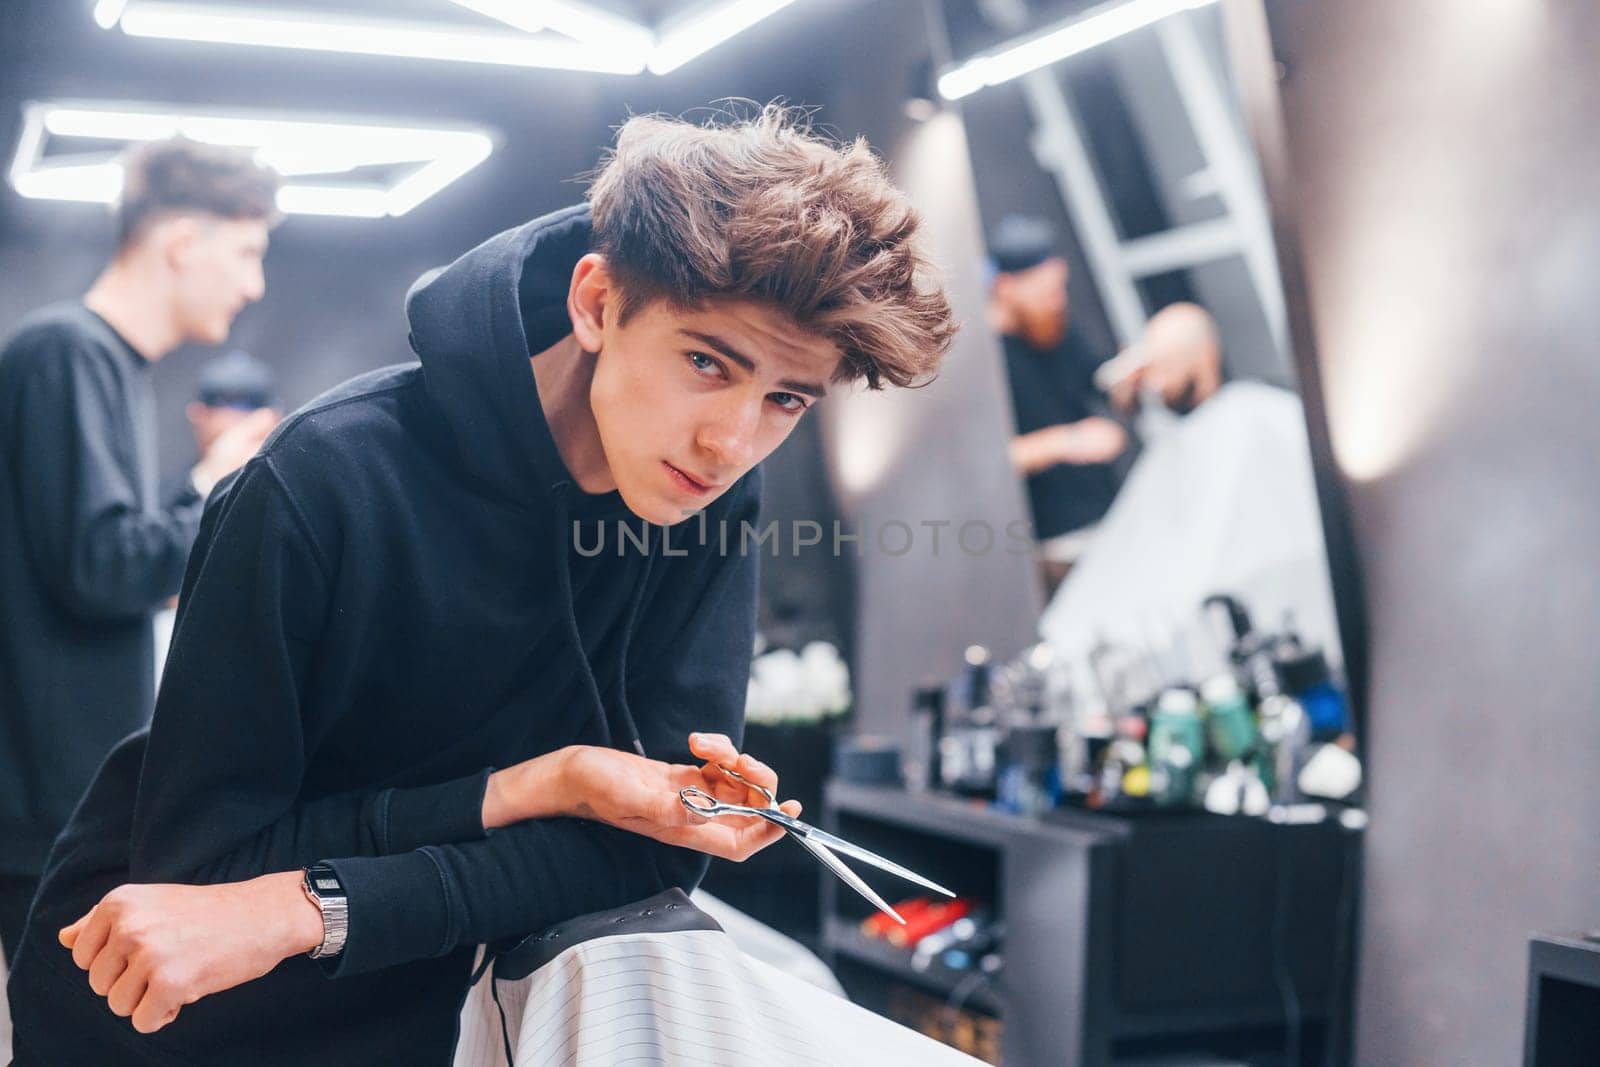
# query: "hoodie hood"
{"type": "Point", "coordinates": [474, 325]}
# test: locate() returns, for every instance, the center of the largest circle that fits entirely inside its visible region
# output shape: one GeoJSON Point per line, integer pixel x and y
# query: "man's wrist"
{"type": "Point", "coordinates": [298, 919]}
{"type": "Point", "coordinates": [533, 789]}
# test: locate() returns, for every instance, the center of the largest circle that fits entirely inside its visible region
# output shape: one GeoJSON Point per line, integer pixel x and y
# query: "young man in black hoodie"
{"type": "Point", "coordinates": [399, 595]}
{"type": "Point", "coordinates": [89, 549]}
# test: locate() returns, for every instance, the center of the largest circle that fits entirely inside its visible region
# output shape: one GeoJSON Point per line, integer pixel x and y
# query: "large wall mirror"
{"type": "Point", "coordinates": [1135, 294]}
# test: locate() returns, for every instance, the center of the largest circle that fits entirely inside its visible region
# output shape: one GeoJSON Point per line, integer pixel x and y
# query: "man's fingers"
{"type": "Point", "coordinates": [126, 994]}
{"type": "Point", "coordinates": [753, 839]}
{"type": "Point", "coordinates": [107, 968]}
{"type": "Point", "coordinates": [154, 1012]}
{"type": "Point", "coordinates": [757, 772]}
{"type": "Point", "coordinates": [69, 934]}
{"type": "Point", "coordinates": [91, 938]}
{"type": "Point", "coordinates": [713, 748]}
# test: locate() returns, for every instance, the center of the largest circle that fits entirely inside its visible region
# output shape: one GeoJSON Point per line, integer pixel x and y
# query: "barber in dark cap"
{"type": "Point", "coordinates": [1067, 444]}
{"type": "Point", "coordinates": [232, 387]}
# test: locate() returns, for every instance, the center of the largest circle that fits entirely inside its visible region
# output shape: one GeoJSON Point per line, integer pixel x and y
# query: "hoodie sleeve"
{"type": "Point", "coordinates": [692, 674]}
{"type": "Point", "coordinates": [101, 556]}
{"type": "Point", "coordinates": [220, 793]}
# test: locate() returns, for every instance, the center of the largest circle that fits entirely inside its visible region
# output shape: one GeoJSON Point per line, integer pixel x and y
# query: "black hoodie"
{"type": "Point", "coordinates": [384, 604]}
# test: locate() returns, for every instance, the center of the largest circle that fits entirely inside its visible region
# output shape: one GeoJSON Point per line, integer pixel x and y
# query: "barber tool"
{"type": "Point", "coordinates": [958, 933]}
{"type": "Point", "coordinates": [819, 843]}
{"type": "Point", "coordinates": [927, 713]}
{"type": "Point", "coordinates": [967, 750]}
{"type": "Point", "coordinates": [937, 916]}
{"type": "Point", "coordinates": [1119, 368]}
{"type": "Point", "coordinates": [878, 924]}
{"type": "Point", "coordinates": [1028, 781]}
{"type": "Point", "coordinates": [1304, 675]}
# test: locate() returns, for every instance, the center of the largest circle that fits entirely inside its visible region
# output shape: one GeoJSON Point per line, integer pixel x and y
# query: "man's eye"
{"type": "Point", "coordinates": [789, 402]}
{"type": "Point", "coordinates": [702, 362]}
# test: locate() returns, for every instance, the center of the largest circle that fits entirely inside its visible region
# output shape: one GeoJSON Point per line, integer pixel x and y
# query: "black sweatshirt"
{"type": "Point", "coordinates": [1054, 386]}
{"type": "Point", "coordinates": [86, 555]}
{"type": "Point", "coordinates": [386, 602]}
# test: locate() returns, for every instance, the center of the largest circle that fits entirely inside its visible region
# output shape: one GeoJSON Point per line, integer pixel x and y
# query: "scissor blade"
{"type": "Point", "coordinates": [849, 877]}
{"type": "Point", "coordinates": [839, 844]}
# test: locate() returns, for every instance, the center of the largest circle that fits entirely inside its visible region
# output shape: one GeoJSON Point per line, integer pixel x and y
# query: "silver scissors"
{"type": "Point", "coordinates": [819, 843]}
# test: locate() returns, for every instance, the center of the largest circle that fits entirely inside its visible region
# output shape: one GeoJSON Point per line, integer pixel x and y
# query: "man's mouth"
{"type": "Point", "coordinates": [688, 482]}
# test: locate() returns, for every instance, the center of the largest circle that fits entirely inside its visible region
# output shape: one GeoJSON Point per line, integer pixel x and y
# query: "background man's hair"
{"type": "Point", "coordinates": [183, 177]}
{"type": "Point", "coordinates": [765, 208]}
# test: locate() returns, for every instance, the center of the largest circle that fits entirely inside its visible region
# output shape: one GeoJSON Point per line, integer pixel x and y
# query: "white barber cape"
{"type": "Point", "coordinates": [687, 997]}
{"type": "Point", "coordinates": [1221, 501]}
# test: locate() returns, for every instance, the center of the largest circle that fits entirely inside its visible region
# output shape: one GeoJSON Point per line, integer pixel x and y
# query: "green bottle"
{"type": "Point", "coordinates": [1230, 725]}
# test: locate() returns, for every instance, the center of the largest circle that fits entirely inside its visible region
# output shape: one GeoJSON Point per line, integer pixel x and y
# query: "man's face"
{"type": "Point", "coordinates": [216, 271]}
{"type": "Point", "coordinates": [209, 422]}
{"type": "Point", "coordinates": [1038, 298]}
{"type": "Point", "coordinates": [688, 401]}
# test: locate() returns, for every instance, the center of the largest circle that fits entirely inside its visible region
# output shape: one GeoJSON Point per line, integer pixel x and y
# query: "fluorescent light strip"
{"type": "Point", "coordinates": [422, 184]}
{"type": "Point", "coordinates": [264, 27]}
{"type": "Point", "coordinates": [1080, 34]}
{"type": "Point", "coordinates": [577, 20]}
{"type": "Point", "coordinates": [300, 146]}
{"type": "Point", "coordinates": [93, 183]}
{"type": "Point", "coordinates": [352, 201]}
{"type": "Point", "coordinates": [600, 42]}
{"type": "Point", "coordinates": [704, 29]}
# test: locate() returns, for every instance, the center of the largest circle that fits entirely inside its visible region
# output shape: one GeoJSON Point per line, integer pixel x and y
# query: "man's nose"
{"type": "Point", "coordinates": [255, 286]}
{"type": "Point", "coordinates": [730, 433]}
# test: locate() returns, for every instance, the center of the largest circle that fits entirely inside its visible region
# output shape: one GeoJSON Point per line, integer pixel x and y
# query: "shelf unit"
{"type": "Point", "coordinates": [1128, 936]}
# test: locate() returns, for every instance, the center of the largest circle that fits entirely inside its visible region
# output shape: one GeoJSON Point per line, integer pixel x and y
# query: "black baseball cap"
{"type": "Point", "coordinates": [1022, 241]}
{"type": "Point", "coordinates": [236, 380]}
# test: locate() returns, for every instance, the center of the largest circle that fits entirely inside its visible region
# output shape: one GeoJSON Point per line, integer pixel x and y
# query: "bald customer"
{"type": "Point", "coordinates": [1179, 359]}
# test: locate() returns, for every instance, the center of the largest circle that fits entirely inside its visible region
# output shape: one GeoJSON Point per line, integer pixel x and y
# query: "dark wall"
{"type": "Point", "coordinates": [1443, 160]}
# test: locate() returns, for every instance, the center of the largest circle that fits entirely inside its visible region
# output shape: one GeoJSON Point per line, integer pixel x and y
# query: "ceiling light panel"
{"type": "Point", "coordinates": [556, 34]}
{"type": "Point", "coordinates": [312, 153]}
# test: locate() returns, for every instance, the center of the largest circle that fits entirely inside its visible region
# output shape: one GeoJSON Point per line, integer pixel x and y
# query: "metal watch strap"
{"type": "Point", "coordinates": [324, 889]}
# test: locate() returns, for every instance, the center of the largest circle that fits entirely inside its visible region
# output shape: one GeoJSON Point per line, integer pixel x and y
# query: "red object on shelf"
{"type": "Point", "coordinates": [880, 925]}
{"type": "Point", "coordinates": [930, 920]}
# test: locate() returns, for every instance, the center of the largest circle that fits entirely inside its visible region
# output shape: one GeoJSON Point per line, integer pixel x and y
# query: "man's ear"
{"type": "Point", "coordinates": [194, 410]}
{"type": "Point", "coordinates": [593, 289]}
{"type": "Point", "coordinates": [176, 238]}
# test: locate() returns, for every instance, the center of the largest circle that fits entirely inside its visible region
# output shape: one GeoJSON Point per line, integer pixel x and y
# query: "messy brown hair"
{"type": "Point", "coordinates": [182, 177]}
{"type": "Point", "coordinates": [766, 208]}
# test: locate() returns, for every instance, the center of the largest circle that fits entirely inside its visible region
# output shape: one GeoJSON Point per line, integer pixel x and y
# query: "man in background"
{"type": "Point", "coordinates": [88, 550]}
{"type": "Point", "coordinates": [1067, 443]}
{"type": "Point", "coordinates": [232, 388]}
{"type": "Point", "coordinates": [1177, 364]}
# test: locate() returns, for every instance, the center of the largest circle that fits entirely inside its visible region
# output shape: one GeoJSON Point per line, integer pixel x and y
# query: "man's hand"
{"type": "Point", "coordinates": [641, 795]}
{"type": "Point", "coordinates": [1095, 439]}
{"type": "Point", "coordinates": [151, 949]}
{"type": "Point", "coordinates": [233, 448]}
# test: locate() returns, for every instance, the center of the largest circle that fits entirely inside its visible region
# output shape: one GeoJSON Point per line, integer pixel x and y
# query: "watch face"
{"type": "Point", "coordinates": [326, 885]}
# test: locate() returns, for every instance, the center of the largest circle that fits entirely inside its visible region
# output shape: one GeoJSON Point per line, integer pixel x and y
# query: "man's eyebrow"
{"type": "Point", "coordinates": [723, 348]}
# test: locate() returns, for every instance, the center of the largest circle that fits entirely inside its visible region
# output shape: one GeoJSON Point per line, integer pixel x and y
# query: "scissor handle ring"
{"type": "Point", "coordinates": [691, 798]}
